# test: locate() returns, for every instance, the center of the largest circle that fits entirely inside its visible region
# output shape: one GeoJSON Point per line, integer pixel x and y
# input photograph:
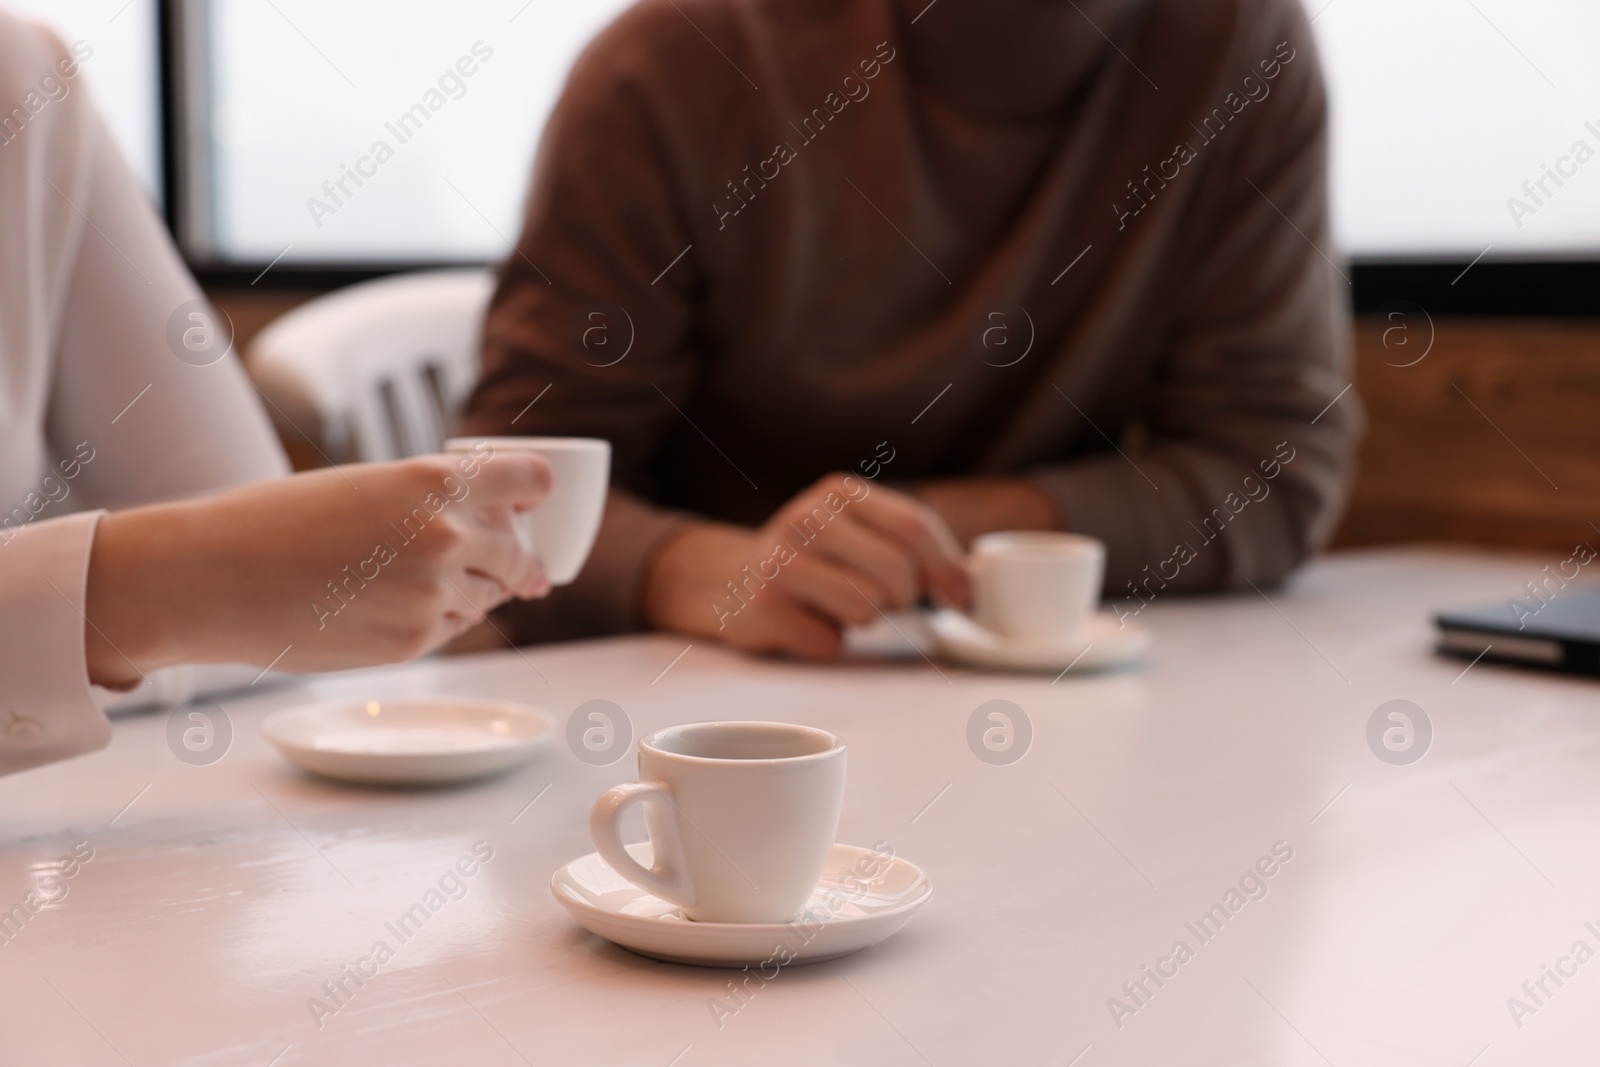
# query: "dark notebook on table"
{"type": "Point", "coordinates": [1562, 633]}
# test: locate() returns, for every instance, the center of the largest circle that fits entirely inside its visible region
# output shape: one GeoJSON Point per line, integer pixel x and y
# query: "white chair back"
{"type": "Point", "coordinates": [382, 367]}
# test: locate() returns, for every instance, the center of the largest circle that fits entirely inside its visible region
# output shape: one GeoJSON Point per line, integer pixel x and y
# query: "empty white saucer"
{"type": "Point", "coordinates": [1100, 645]}
{"type": "Point", "coordinates": [409, 742]}
{"type": "Point", "coordinates": [847, 912]}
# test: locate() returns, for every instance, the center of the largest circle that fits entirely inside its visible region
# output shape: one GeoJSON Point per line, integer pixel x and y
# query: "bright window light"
{"type": "Point", "coordinates": [1445, 115]}
{"type": "Point", "coordinates": [305, 93]}
{"type": "Point", "coordinates": [123, 72]}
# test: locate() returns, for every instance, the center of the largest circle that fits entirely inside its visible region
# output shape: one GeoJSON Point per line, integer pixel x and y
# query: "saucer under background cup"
{"type": "Point", "coordinates": [846, 913]}
{"type": "Point", "coordinates": [1102, 643]}
{"type": "Point", "coordinates": [1033, 607]}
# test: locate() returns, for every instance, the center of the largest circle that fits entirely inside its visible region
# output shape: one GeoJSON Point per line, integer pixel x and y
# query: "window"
{"type": "Point", "coordinates": [123, 72]}
{"type": "Point", "coordinates": [1459, 130]}
{"type": "Point", "coordinates": [358, 132]}
{"type": "Point", "coordinates": [1446, 115]}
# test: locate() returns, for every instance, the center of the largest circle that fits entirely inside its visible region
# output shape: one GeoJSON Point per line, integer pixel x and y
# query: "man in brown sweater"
{"type": "Point", "coordinates": [998, 264]}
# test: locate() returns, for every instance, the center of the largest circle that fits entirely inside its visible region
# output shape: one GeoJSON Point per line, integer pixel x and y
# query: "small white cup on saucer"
{"type": "Point", "coordinates": [741, 817]}
{"type": "Point", "coordinates": [1034, 597]}
{"type": "Point", "coordinates": [1035, 586]}
{"type": "Point", "coordinates": [562, 529]}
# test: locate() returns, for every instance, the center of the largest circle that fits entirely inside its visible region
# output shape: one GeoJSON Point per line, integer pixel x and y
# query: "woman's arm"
{"type": "Point", "coordinates": [117, 393]}
{"type": "Point", "coordinates": [358, 565]}
{"type": "Point", "coordinates": [100, 411]}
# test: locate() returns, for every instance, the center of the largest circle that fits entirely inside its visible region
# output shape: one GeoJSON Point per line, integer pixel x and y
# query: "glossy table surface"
{"type": "Point", "coordinates": [1419, 898]}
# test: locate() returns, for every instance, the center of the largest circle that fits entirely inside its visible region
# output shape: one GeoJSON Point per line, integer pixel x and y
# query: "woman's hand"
{"type": "Point", "coordinates": [353, 566]}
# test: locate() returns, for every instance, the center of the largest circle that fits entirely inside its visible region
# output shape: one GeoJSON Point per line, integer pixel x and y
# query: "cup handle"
{"type": "Point", "coordinates": [669, 877]}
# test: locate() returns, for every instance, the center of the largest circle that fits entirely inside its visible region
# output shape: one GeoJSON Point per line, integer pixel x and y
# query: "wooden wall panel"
{"type": "Point", "coordinates": [1492, 437]}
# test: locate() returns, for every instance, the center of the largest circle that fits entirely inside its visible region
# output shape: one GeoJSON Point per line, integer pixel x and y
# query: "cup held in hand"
{"type": "Point", "coordinates": [562, 529]}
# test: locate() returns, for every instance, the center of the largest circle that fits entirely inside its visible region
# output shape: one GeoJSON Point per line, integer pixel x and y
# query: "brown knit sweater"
{"type": "Point", "coordinates": [768, 239]}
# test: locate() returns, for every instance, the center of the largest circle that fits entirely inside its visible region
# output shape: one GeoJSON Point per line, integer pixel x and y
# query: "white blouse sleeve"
{"type": "Point", "coordinates": [108, 406]}
{"type": "Point", "coordinates": [47, 709]}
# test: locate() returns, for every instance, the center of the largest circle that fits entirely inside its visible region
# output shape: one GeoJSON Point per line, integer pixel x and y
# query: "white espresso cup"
{"type": "Point", "coordinates": [562, 529]}
{"type": "Point", "coordinates": [741, 817]}
{"type": "Point", "coordinates": [1035, 585]}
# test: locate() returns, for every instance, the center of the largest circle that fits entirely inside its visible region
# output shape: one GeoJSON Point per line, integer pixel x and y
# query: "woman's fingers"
{"type": "Point", "coordinates": [517, 479]}
{"type": "Point", "coordinates": [476, 503]}
{"type": "Point", "coordinates": [467, 597]}
{"type": "Point", "coordinates": [512, 483]}
{"type": "Point", "coordinates": [496, 548]}
{"type": "Point", "coordinates": [458, 555]}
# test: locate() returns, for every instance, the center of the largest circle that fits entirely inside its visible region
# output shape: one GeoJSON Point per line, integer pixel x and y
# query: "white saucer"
{"type": "Point", "coordinates": [409, 742]}
{"type": "Point", "coordinates": [1100, 645]}
{"type": "Point", "coordinates": [863, 909]}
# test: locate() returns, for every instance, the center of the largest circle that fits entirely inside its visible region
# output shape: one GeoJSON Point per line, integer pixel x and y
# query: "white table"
{"type": "Point", "coordinates": [1419, 898]}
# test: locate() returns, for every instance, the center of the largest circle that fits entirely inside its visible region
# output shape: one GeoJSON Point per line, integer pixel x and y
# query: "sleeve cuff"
{"type": "Point", "coordinates": [1092, 497]}
{"type": "Point", "coordinates": [48, 710]}
{"type": "Point", "coordinates": [1147, 530]}
{"type": "Point", "coordinates": [1106, 498]}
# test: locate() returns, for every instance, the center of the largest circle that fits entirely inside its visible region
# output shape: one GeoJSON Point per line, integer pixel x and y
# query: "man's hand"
{"type": "Point", "coordinates": [836, 555]}
{"type": "Point", "coordinates": [348, 567]}
{"type": "Point", "coordinates": [976, 506]}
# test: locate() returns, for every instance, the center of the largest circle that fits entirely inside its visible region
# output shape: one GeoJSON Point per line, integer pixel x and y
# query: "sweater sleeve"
{"type": "Point", "coordinates": [1251, 428]}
